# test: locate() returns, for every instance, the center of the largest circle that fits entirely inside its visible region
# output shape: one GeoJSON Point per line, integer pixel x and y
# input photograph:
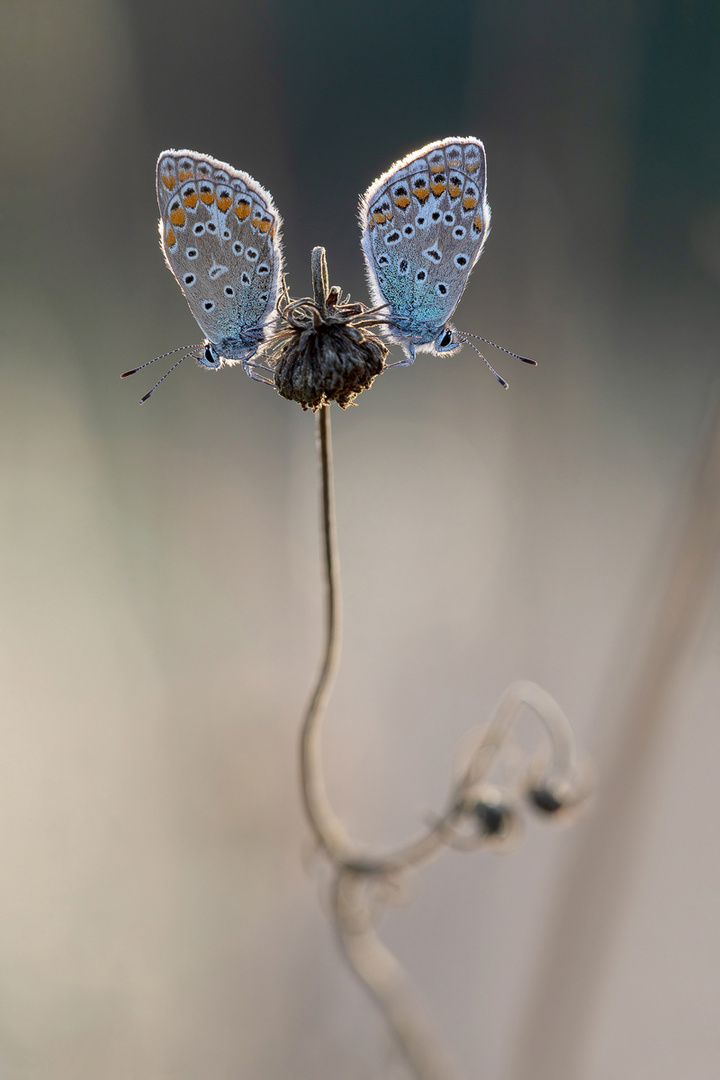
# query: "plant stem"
{"type": "Point", "coordinates": [381, 974]}
{"type": "Point", "coordinates": [327, 828]}
{"type": "Point", "coordinates": [371, 961]}
{"type": "Point", "coordinates": [592, 897]}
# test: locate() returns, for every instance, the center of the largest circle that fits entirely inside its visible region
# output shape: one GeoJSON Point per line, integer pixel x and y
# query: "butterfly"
{"type": "Point", "coordinates": [220, 235]}
{"type": "Point", "coordinates": [424, 224]}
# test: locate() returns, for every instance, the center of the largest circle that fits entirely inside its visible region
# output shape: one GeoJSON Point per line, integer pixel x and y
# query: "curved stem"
{"type": "Point", "coordinates": [328, 829]}
{"type": "Point", "coordinates": [382, 975]}
{"type": "Point", "coordinates": [372, 962]}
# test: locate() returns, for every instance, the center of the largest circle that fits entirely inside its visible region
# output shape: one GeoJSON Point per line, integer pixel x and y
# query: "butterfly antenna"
{"type": "Point", "coordinates": [144, 398]}
{"type": "Point", "coordinates": [372, 310]}
{"type": "Point", "coordinates": [498, 377]}
{"type": "Point", "coordinates": [525, 359]}
{"type": "Point", "coordinates": [160, 357]}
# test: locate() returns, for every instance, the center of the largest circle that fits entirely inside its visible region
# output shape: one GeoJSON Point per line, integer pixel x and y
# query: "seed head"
{"type": "Point", "coordinates": [323, 350]}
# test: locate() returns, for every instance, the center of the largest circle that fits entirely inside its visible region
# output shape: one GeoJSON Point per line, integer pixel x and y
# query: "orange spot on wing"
{"type": "Point", "coordinates": [438, 187]}
{"type": "Point", "coordinates": [439, 167]}
{"type": "Point", "coordinates": [256, 222]}
{"type": "Point", "coordinates": [169, 182]}
{"type": "Point", "coordinates": [472, 166]}
{"type": "Point", "coordinates": [170, 238]}
{"type": "Point", "coordinates": [370, 223]}
{"type": "Point", "coordinates": [421, 193]}
{"type": "Point", "coordinates": [401, 201]}
{"type": "Point", "coordinates": [191, 199]}
{"type": "Point", "coordinates": [454, 191]}
{"type": "Point", "coordinates": [478, 222]}
{"type": "Point", "coordinates": [378, 218]}
{"type": "Point", "coordinates": [469, 202]}
{"type": "Point", "coordinates": [454, 163]}
{"type": "Point", "coordinates": [224, 201]}
{"type": "Point", "coordinates": [242, 209]}
{"type": "Point", "coordinates": [185, 174]}
{"type": "Point", "coordinates": [178, 217]}
{"type": "Point", "coordinates": [265, 225]}
{"type": "Point", "coordinates": [208, 197]}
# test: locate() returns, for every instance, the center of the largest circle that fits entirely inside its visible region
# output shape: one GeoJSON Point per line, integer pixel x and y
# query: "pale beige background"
{"type": "Point", "coordinates": [160, 604]}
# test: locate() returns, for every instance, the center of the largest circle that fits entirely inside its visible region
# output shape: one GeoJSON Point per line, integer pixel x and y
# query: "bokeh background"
{"type": "Point", "coordinates": [161, 612]}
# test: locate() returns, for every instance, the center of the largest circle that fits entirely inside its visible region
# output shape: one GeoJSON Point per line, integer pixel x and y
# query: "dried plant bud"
{"type": "Point", "coordinates": [494, 818]}
{"type": "Point", "coordinates": [333, 362]}
{"type": "Point", "coordinates": [324, 350]}
{"type": "Point", "coordinates": [560, 799]}
{"type": "Point", "coordinates": [545, 800]}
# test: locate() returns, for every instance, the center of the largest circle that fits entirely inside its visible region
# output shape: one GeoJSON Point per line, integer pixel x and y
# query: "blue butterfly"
{"type": "Point", "coordinates": [424, 224]}
{"type": "Point", "coordinates": [220, 235]}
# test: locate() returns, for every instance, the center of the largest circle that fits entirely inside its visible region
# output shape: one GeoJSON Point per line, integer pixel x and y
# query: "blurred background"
{"type": "Point", "coordinates": [161, 605]}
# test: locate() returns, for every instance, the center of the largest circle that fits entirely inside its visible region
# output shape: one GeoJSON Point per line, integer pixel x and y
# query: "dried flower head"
{"type": "Point", "coordinates": [324, 350]}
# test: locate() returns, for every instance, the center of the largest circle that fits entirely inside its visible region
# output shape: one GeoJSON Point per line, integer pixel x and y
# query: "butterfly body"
{"type": "Point", "coordinates": [220, 235]}
{"type": "Point", "coordinates": [424, 223]}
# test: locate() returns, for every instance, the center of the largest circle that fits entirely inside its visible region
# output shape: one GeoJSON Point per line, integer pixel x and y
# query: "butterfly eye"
{"type": "Point", "coordinates": [446, 339]}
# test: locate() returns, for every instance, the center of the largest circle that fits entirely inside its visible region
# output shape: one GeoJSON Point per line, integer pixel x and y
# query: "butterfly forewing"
{"type": "Point", "coordinates": [219, 233]}
{"type": "Point", "coordinates": [424, 223]}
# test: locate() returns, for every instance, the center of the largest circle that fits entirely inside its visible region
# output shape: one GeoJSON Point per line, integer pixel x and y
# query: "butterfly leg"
{"type": "Point", "coordinates": [252, 371]}
{"type": "Point", "coordinates": [259, 378]}
{"type": "Point", "coordinates": [406, 362]}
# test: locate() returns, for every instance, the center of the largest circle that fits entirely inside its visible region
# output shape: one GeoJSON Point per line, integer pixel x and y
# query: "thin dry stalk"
{"type": "Point", "coordinates": [590, 899]}
{"type": "Point", "coordinates": [372, 963]}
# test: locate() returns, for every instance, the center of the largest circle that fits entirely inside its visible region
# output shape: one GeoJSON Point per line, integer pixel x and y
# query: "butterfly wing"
{"type": "Point", "coordinates": [424, 223]}
{"type": "Point", "coordinates": [220, 234]}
